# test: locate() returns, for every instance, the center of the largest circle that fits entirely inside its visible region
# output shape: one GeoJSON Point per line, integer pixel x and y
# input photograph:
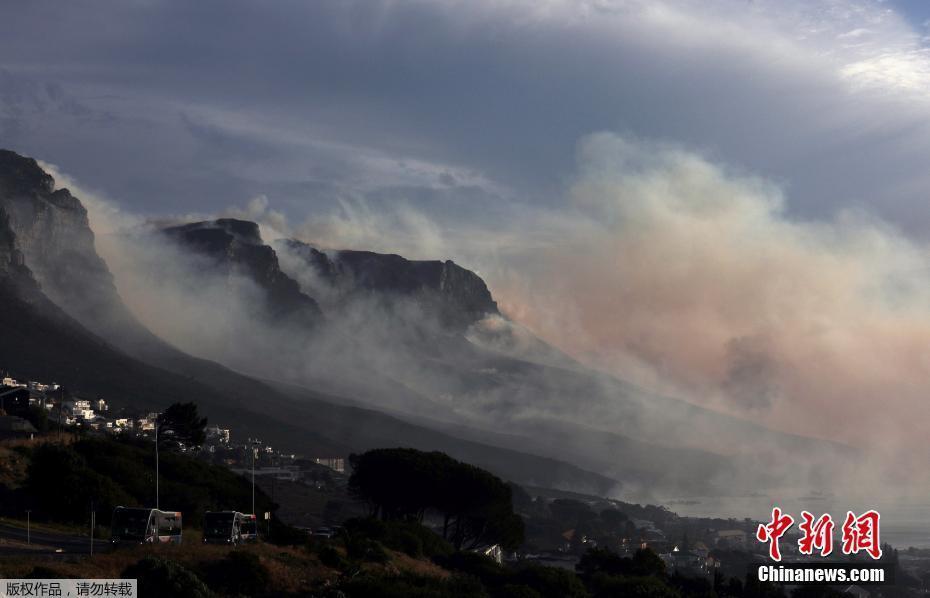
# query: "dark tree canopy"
{"type": "Point", "coordinates": [182, 422]}
{"type": "Point", "coordinates": [476, 506]}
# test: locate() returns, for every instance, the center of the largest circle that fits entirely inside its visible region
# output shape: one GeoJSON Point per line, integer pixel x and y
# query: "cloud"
{"type": "Point", "coordinates": [344, 99]}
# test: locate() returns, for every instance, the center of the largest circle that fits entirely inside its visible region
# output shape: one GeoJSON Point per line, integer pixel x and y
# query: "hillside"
{"type": "Point", "coordinates": [118, 358]}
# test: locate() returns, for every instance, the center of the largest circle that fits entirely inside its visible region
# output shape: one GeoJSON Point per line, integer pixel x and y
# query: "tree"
{"type": "Point", "coordinates": [183, 422]}
{"type": "Point", "coordinates": [477, 509]}
{"type": "Point", "coordinates": [398, 483]}
{"type": "Point", "coordinates": [476, 506]}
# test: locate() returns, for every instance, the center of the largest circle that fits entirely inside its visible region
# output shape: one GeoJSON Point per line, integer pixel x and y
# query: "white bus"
{"type": "Point", "coordinates": [138, 525]}
{"type": "Point", "coordinates": [248, 530]}
{"type": "Point", "coordinates": [225, 527]}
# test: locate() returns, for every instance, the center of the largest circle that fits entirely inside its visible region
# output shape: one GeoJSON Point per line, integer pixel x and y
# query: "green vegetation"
{"type": "Point", "coordinates": [64, 481]}
{"type": "Point", "coordinates": [389, 553]}
{"type": "Point", "coordinates": [182, 423]}
{"type": "Point", "coordinates": [408, 537]}
{"type": "Point", "coordinates": [403, 484]}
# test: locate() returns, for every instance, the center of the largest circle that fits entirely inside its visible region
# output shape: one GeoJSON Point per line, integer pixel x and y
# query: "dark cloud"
{"type": "Point", "coordinates": [286, 99]}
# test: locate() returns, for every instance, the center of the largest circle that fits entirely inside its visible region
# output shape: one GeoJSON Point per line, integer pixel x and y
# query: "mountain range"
{"type": "Point", "coordinates": [332, 351]}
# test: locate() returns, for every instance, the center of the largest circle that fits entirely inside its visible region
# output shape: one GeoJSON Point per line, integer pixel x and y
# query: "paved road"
{"type": "Point", "coordinates": [52, 542]}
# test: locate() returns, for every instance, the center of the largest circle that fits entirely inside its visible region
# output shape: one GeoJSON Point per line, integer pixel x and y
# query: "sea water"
{"type": "Point", "coordinates": [903, 524]}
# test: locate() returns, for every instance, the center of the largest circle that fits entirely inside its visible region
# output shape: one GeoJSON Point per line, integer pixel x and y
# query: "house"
{"type": "Point", "coordinates": [218, 434]}
{"type": "Point", "coordinates": [86, 415]}
{"type": "Point", "coordinates": [15, 427]}
{"type": "Point", "coordinates": [495, 552]}
{"type": "Point", "coordinates": [12, 382]}
{"type": "Point", "coordinates": [77, 405]}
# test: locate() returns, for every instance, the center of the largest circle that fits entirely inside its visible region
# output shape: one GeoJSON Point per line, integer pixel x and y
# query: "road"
{"type": "Point", "coordinates": [44, 541]}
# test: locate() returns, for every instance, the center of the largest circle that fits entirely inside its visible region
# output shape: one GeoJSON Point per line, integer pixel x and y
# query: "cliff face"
{"type": "Point", "coordinates": [7, 258]}
{"type": "Point", "coordinates": [235, 247]}
{"type": "Point", "coordinates": [458, 297]}
{"type": "Point", "coordinates": [49, 234]}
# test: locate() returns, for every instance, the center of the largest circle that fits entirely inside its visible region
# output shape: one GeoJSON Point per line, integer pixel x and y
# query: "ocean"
{"type": "Point", "coordinates": [903, 524]}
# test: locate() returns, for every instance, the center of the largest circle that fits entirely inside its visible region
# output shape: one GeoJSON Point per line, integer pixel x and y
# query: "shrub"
{"type": "Point", "coordinates": [365, 549]}
{"type": "Point", "coordinates": [404, 536]}
{"type": "Point", "coordinates": [476, 565]}
{"type": "Point", "coordinates": [158, 577]}
{"type": "Point", "coordinates": [239, 573]}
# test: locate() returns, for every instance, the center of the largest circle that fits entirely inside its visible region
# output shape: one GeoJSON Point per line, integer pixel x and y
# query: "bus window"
{"type": "Point", "coordinates": [249, 528]}
{"type": "Point", "coordinates": [169, 526]}
{"type": "Point", "coordinates": [131, 525]}
{"type": "Point", "coordinates": [220, 527]}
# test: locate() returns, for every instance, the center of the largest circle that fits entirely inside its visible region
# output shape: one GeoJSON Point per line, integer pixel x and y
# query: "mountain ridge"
{"type": "Point", "coordinates": [236, 248]}
{"type": "Point", "coordinates": [43, 341]}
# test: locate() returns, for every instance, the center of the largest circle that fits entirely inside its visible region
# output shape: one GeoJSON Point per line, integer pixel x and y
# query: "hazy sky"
{"type": "Point", "coordinates": [726, 199]}
{"type": "Point", "coordinates": [462, 108]}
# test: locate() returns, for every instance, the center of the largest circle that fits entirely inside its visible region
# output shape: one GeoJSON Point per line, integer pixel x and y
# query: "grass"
{"type": "Point", "coordinates": [13, 466]}
{"type": "Point", "coordinates": [292, 570]}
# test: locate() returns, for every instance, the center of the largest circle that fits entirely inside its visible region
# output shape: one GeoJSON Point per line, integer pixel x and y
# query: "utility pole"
{"type": "Point", "coordinates": [252, 445]}
{"type": "Point", "coordinates": [157, 505]}
{"type": "Point", "coordinates": [93, 521]}
{"type": "Point", "coordinates": [28, 526]}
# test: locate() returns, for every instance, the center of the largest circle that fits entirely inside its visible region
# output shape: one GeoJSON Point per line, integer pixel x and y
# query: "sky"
{"type": "Point", "coordinates": [721, 199]}
{"type": "Point", "coordinates": [463, 108]}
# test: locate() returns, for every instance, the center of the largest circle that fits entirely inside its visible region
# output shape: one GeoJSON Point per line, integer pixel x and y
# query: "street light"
{"type": "Point", "coordinates": [254, 443]}
{"type": "Point", "coordinates": [157, 505]}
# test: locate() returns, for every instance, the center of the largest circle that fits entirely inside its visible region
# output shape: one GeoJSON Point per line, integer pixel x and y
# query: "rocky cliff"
{"type": "Point", "coordinates": [48, 232]}
{"type": "Point", "coordinates": [235, 247]}
{"type": "Point", "coordinates": [458, 297]}
{"type": "Point", "coordinates": [45, 240]}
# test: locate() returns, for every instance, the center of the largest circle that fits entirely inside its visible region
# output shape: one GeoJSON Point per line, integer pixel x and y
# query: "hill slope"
{"type": "Point", "coordinates": [118, 358]}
